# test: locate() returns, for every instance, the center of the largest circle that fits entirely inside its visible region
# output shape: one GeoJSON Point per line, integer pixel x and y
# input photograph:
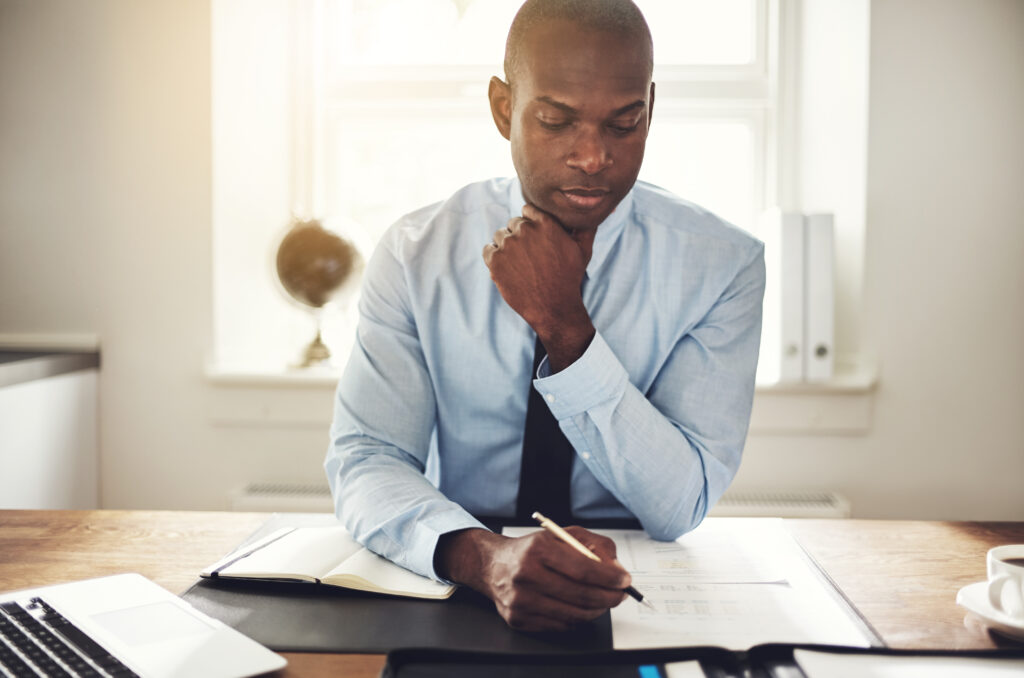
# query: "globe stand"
{"type": "Point", "coordinates": [316, 353]}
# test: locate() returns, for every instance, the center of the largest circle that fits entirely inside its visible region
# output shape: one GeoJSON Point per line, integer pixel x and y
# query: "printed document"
{"type": "Point", "coordinates": [733, 583]}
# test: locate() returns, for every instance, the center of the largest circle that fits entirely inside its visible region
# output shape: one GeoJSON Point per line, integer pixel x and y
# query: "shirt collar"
{"type": "Point", "coordinates": [607, 233]}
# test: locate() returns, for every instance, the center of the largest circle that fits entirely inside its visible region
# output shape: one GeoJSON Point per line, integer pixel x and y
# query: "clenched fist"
{"type": "Point", "coordinates": [539, 266]}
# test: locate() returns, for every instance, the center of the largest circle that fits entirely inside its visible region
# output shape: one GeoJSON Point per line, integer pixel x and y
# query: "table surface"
{"type": "Point", "coordinates": [902, 575]}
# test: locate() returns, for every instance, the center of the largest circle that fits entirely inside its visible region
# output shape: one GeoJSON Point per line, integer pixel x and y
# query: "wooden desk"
{"type": "Point", "coordinates": [902, 575]}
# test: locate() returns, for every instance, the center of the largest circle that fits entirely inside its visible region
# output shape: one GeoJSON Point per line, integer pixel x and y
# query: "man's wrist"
{"type": "Point", "coordinates": [566, 342]}
{"type": "Point", "coordinates": [461, 556]}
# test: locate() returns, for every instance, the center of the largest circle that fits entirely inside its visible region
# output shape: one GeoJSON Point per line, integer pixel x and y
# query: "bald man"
{"type": "Point", "coordinates": [597, 356]}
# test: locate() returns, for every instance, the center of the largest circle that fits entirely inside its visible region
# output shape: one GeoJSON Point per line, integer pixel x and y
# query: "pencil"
{"type": "Point", "coordinates": [555, 529]}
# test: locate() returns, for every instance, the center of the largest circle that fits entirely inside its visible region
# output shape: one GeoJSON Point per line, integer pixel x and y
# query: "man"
{"type": "Point", "coordinates": [647, 307]}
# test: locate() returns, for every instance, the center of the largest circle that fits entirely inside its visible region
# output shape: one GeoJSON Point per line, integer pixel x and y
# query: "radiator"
{"type": "Point", "coordinates": [283, 497]}
{"type": "Point", "coordinates": [784, 504]}
{"type": "Point", "coordinates": [314, 498]}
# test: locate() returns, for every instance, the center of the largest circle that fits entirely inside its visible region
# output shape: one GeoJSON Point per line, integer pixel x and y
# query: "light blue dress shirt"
{"type": "Point", "coordinates": [429, 414]}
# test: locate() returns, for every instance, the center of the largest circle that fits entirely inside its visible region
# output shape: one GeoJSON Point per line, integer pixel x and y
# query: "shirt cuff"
{"type": "Point", "coordinates": [429, 531]}
{"type": "Point", "coordinates": [596, 377]}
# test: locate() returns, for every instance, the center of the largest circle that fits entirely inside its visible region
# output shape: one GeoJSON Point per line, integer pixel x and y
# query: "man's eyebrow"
{"type": "Point", "coordinates": [544, 99]}
{"type": "Point", "coordinates": [639, 103]}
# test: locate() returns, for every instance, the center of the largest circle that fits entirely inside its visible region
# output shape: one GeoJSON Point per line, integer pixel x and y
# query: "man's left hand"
{"type": "Point", "coordinates": [539, 267]}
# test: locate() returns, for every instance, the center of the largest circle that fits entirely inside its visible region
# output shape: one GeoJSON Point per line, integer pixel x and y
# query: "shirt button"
{"type": "Point", "coordinates": [550, 397]}
{"type": "Point", "coordinates": [585, 455]}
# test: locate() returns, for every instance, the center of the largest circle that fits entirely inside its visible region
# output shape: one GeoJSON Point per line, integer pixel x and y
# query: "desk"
{"type": "Point", "coordinates": [902, 575]}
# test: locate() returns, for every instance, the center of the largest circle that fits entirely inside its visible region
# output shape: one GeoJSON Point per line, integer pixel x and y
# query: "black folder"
{"type": "Point", "coordinates": [762, 661]}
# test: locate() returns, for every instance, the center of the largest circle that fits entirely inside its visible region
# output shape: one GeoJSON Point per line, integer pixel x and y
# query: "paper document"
{"type": "Point", "coordinates": [690, 669]}
{"type": "Point", "coordinates": [733, 583]}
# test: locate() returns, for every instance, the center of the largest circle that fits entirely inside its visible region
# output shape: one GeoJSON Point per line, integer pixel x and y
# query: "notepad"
{"type": "Point", "coordinates": [323, 555]}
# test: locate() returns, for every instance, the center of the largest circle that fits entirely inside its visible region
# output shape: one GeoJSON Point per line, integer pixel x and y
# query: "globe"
{"type": "Point", "coordinates": [315, 266]}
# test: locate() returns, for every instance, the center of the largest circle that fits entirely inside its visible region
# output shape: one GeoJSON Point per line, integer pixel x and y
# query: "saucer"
{"type": "Point", "coordinates": [975, 598]}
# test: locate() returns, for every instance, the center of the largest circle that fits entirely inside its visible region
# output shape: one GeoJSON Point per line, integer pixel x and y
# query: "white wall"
{"type": "Point", "coordinates": [105, 227]}
{"type": "Point", "coordinates": [943, 280]}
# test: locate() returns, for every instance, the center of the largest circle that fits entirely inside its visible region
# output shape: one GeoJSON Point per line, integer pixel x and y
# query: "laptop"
{"type": "Point", "coordinates": [119, 627]}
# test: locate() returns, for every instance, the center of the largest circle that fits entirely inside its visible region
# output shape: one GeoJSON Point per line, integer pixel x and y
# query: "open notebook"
{"type": "Point", "coordinates": [323, 555]}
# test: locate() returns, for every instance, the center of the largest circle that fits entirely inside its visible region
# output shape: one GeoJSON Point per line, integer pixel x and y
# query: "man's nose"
{"type": "Point", "coordinates": [589, 152]}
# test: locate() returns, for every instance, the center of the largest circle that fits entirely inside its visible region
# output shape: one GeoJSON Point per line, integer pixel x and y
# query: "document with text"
{"type": "Point", "coordinates": [733, 583]}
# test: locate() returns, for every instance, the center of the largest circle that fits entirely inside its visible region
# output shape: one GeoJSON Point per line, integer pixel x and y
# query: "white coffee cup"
{"type": "Point", "coordinates": [1006, 579]}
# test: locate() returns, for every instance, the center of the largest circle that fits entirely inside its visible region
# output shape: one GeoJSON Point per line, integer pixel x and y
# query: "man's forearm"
{"type": "Point", "coordinates": [374, 485]}
{"type": "Point", "coordinates": [637, 449]}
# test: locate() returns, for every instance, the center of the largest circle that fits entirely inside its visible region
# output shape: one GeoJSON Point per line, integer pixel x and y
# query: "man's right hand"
{"type": "Point", "coordinates": [537, 582]}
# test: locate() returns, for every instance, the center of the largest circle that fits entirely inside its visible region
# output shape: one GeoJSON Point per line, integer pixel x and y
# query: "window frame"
{"type": "Point", "coordinates": [270, 171]}
{"type": "Point", "coordinates": [756, 93]}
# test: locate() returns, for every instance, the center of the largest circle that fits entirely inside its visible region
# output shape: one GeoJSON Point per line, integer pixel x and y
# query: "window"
{"type": "Point", "coordinates": [389, 113]}
{"type": "Point", "coordinates": [405, 119]}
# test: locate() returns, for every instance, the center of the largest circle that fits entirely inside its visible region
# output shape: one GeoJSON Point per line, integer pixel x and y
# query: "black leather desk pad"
{"type": "Point", "coordinates": [297, 617]}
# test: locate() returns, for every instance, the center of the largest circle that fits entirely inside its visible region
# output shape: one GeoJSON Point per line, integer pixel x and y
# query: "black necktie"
{"type": "Point", "coordinates": [546, 470]}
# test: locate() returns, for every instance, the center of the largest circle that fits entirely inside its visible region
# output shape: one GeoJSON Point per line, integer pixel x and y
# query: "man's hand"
{"type": "Point", "coordinates": [539, 267]}
{"type": "Point", "coordinates": [537, 582]}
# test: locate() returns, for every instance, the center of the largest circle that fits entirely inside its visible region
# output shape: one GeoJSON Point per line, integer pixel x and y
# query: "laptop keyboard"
{"type": "Point", "coordinates": [36, 640]}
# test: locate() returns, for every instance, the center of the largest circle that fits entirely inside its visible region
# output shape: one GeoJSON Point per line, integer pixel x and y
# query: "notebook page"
{"type": "Point", "coordinates": [387, 577]}
{"type": "Point", "coordinates": [312, 551]}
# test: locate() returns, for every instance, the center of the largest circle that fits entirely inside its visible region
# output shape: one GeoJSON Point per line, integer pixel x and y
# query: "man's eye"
{"type": "Point", "coordinates": [553, 126]}
{"type": "Point", "coordinates": [624, 129]}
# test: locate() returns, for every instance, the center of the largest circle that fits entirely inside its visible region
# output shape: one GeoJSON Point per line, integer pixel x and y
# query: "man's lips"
{"type": "Point", "coordinates": [584, 198]}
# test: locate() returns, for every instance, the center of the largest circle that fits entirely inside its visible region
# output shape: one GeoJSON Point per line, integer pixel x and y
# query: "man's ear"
{"type": "Point", "coordinates": [500, 94]}
{"type": "Point", "coordinates": [650, 108]}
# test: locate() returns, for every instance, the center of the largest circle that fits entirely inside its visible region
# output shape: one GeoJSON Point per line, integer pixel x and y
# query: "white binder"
{"type": "Point", "coordinates": [782, 335]}
{"type": "Point", "coordinates": [819, 295]}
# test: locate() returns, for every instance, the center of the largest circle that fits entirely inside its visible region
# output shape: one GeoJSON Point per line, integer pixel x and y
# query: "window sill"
{"type": "Point", "coordinates": [849, 378]}
{"type": "Point", "coordinates": [312, 377]}
{"type": "Point", "coordinates": [271, 398]}
{"type": "Point", "coordinates": [302, 398]}
{"type": "Point", "coordinates": [842, 405]}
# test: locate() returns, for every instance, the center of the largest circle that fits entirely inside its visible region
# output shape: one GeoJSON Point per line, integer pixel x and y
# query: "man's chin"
{"type": "Point", "coordinates": [576, 217]}
{"type": "Point", "coordinates": [581, 222]}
